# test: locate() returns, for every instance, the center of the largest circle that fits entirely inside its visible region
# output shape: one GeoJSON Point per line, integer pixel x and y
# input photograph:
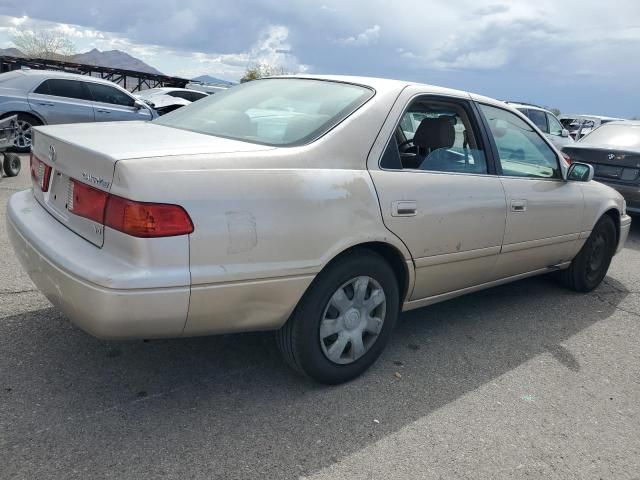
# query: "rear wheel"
{"type": "Point", "coordinates": [344, 320]}
{"type": "Point", "coordinates": [11, 164]}
{"type": "Point", "coordinates": [590, 266]}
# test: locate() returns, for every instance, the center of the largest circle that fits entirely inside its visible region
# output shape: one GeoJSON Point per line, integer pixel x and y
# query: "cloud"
{"type": "Point", "coordinates": [368, 37]}
{"type": "Point", "coordinates": [490, 10]}
{"type": "Point", "coordinates": [491, 46]}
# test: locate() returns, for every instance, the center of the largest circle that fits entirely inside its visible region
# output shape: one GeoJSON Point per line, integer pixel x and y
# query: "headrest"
{"type": "Point", "coordinates": [435, 133]}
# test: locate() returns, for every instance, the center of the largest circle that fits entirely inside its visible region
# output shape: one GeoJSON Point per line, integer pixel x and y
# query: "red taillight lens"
{"type": "Point", "coordinates": [86, 201]}
{"type": "Point", "coordinates": [146, 220]}
{"type": "Point", "coordinates": [40, 172]}
{"type": "Point", "coordinates": [567, 158]}
{"type": "Point", "coordinates": [139, 219]}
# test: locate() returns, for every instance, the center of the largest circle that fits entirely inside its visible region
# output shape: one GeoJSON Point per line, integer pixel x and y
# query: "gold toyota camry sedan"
{"type": "Point", "coordinates": [315, 206]}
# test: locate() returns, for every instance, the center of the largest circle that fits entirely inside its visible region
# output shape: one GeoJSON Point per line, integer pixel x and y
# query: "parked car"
{"type": "Point", "coordinates": [45, 97]}
{"type": "Point", "coordinates": [580, 125]}
{"type": "Point", "coordinates": [321, 220]}
{"type": "Point", "coordinates": [614, 151]}
{"type": "Point", "coordinates": [547, 122]}
{"type": "Point", "coordinates": [167, 99]}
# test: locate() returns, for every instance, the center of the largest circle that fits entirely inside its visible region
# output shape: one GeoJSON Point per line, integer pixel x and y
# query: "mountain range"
{"type": "Point", "coordinates": [115, 59]}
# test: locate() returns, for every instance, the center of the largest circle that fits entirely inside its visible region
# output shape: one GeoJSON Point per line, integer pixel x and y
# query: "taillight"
{"type": "Point", "coordinates": [40, 172]}
{"type": "Point", "coordinates": [139, 219]}
{"type": "Point", "coordinates": [86, 201]}
{"type": "Point", "coordinates": [146, 220]}
{"type": "Point", "coordinates": [566, 157]}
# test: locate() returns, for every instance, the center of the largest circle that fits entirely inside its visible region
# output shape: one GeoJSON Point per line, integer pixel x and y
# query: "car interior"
{"type": "Point", "coordinates": [434, 136]}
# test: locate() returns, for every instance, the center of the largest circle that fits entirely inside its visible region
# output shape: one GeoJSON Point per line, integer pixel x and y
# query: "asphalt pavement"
{"type": "Point", "coordinates": [527, 380]}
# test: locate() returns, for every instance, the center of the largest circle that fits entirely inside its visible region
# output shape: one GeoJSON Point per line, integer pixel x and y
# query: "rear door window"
{"type": "Point", "coordinates": [64, 88]}
{"type": "Point", "coordinates": [437, 136]}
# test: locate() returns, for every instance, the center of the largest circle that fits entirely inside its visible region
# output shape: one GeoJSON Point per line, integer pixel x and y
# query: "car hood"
{"type": "Point", "coordinates": [135, 139]}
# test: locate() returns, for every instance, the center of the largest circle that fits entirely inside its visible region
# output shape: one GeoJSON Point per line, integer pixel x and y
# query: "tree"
{"type": "Point", "coordinates": [261, 70]}
{"type": "Point", "coordinates": [47, 44]}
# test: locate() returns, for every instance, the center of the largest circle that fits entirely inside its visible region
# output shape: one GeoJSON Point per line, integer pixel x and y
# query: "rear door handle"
{"type": "Point", "coordinates": [46, 104]}
{"type": "Point", "coordinates": [404, 208]}
{"type": "Point", "coordinates": [518, 205]}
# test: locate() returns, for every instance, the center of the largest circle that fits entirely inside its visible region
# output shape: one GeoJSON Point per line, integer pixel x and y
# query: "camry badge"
{"type": "Point", "coordinates": [52, 154]}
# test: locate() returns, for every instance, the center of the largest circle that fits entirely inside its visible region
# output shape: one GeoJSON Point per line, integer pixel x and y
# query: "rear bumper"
{"type": "Point", "coordinates": [57, 261]}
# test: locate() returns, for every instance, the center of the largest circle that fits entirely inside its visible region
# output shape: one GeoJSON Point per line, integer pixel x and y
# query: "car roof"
{"type": "Point", "coordinates": [385, 85]}
{"type": "Point", "coordinates": [629, 123]}
{"type": "Point", "coordinates": [42, 74]}
{"type": "Point", "coordinates": [589, 117]}
{"type": "Point", "coordinates": [528, 106]}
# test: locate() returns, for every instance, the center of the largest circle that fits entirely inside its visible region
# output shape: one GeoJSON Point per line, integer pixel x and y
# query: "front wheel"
{"type": "Point", "coordinates": [591, 264]}
{"type": "Point", "coordinates": [344, 320]}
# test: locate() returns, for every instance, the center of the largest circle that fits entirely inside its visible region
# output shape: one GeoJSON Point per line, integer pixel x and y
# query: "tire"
{"type": "Point", "coordinates": [301, 340]}
{"type": "Point", "coordinates": [22, 143]}
{"type": "Point", "coordinates": [590, 266]}
{"type": "Point", "coordinates": [11, 164]}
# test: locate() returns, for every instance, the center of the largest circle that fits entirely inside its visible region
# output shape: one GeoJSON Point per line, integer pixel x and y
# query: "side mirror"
{"type": "Point", "coordinates": [580, 172]}
{"type": "Point", "coordinates": [138, 104]}
{"type": "Point", "coordinates": [565, 133]}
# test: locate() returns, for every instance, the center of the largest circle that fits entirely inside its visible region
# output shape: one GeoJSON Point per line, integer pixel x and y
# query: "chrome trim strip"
{"type": "Point", "coordinates": [456, 256]}
{"type": "Point", "coordinates": [542, 242]}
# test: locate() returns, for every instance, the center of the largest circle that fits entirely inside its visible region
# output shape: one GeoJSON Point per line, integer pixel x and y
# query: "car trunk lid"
{"type": "Point", "coordinates": [608, 163]}
{"type": "Point", "coordinates": [88, 153]}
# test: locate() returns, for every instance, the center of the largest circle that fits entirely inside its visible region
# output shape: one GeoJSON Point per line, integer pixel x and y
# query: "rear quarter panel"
{"type": "Point", "coordinates": [260, 235]}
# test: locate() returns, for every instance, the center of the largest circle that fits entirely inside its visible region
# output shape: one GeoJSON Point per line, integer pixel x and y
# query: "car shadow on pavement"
{"type": "Point", "coordinates": [227, 407]}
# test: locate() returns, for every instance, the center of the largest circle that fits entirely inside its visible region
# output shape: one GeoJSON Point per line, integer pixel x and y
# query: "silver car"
{"type": "Point", "coordinates": [44, 97]}
{"type": "Point", "coordinates": [303, 205]}
{"type": "Point", "coordinates": [547, 122]}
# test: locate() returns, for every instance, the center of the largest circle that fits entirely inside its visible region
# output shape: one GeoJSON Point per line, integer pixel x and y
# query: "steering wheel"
{"type": "Point", "coordinates": [406, 142]}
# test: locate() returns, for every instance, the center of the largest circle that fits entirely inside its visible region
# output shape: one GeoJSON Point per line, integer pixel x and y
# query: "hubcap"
{"type": "Point", "coordinates": [352, 320]}
{"type": "Point", "coordinates": [23, 134]}
{"type": "Point", "coordinates": [598, 255]}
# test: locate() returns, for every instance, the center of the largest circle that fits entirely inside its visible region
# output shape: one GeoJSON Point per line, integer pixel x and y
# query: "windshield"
{"type": "Point", "coordinates": [276, 112]}
{"type": "Point", "coordinates": [620, 136]}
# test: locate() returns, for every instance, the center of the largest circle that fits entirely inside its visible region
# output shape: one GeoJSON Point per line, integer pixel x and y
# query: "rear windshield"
{"type": "Point", "coordinates": [620, 136]}
{"type": "Point", "coordinates": [276, 112]}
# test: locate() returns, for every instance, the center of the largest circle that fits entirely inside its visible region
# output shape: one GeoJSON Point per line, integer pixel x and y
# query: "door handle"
{"type": "Point", "coordinates": [404, 208]}
{"type": "Point", "coordinates": [46, 104]}
{"type": "Point", "coordinates": [104, 111]}
{"type": "Point", "coordinates": [518, 205]}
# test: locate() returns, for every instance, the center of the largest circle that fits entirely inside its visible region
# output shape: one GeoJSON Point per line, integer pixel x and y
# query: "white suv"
{"type": "Point", "coordinates": [547, 122]}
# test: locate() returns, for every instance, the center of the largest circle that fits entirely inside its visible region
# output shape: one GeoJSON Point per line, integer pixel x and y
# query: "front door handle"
{"type": "Point", "coordinates": [518, 205]}
{"type": "Point", "coordinates": [404, 208]}
{"type": "Point", "coordinates": [104, 111]}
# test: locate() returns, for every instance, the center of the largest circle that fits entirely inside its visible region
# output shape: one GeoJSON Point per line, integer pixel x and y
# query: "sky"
{"type": "Point", "coordinates": [577, 56]}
